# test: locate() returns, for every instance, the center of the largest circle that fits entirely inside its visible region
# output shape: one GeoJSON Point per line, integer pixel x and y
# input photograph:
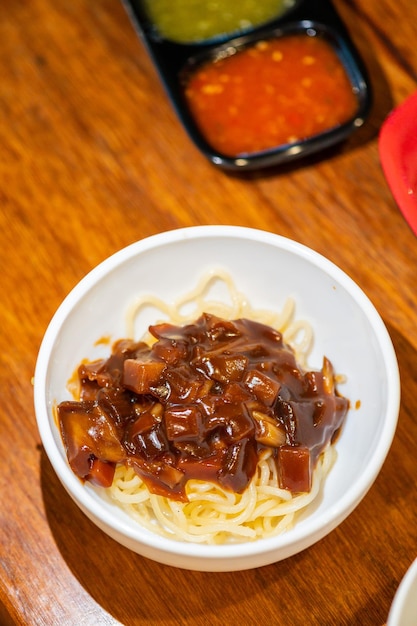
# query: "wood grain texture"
{"type": "Point", "coordinates": [93, 158]}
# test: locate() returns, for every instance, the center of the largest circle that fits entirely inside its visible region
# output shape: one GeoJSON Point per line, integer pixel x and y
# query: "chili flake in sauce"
{"type": "Point", "coordinates": [279, 91]}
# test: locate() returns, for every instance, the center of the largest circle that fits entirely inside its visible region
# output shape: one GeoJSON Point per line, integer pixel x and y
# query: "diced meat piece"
{"type": "Point", "coordinates": [235, 393]}
{"type": "Point", "coordinates": [205, 467]}
{"type": "Point", "coordinates": [88, 433]}
{"type": "Point", "coordinates": [161, 477]}
{"type": "Point", "coordinates": [220, 330]}
{"type": "Point", "coordinates": [118, 405]}
{"type": "Point", "coordinates": [264, 387]}
{"type": "Point", "coordinates": [294, 468]}
{"type": "Point", "coordinates": [145, 422]}
{"type": "Point", "coordinates": [149, 443]}
{"type": "Point", "coordinates": [183, 386]}
{"type": "Point", "coordinates": [141, 376]}
{"type": "Point", "coordinates": [224, 367]}
{"type": "Point", "coordinates": [234, 420]}
{"type": "Point", "coordinates": [183, 423]}
{"type": "Point", "coordinates": [171, 351]}
{"type": "Point", "coordinates": [101, 473]}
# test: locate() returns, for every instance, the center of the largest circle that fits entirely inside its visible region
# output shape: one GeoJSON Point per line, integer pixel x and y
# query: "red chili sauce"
{"type": "Point", "coordinates": [276, 92]}
{"type": "Point", "coordinates": [203, 402]}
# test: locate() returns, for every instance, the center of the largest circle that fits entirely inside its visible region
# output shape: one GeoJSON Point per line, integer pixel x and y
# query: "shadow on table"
{"type": "Point", "coordinates": [134, 589]}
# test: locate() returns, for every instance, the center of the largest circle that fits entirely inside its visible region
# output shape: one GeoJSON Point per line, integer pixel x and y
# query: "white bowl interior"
{"type": "Point", "coordinates": [268, 269]}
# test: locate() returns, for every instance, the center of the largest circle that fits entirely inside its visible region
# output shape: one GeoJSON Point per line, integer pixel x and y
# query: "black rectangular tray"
{"type": "Point", "coordinates": [172, 60]}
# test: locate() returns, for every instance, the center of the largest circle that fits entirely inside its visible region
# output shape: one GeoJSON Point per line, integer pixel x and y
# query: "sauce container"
{"type": "Point", "coordinates": [257, 90]}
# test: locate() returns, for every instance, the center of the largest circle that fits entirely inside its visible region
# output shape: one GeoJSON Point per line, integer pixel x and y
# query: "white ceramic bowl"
{"type": "Point", "coordinates": [403, 611]}
{"type": "Point", "coordinates": [267, 268]}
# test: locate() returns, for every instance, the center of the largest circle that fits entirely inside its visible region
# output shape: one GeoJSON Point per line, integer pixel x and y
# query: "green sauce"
{"type": "Point", "coordinates": [186, 21]}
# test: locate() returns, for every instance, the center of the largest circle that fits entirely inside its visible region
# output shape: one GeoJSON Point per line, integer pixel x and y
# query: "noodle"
{"type": "Point", "coordinates": [213, 515]}
{"type": "Point", "coordinates": [297, 333]}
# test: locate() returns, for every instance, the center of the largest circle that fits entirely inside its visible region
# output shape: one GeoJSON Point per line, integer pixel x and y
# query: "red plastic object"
{"type": "Point", "coordinates": [398, 155]}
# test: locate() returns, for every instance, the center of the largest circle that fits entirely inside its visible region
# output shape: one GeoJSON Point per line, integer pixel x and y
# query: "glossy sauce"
{"type": "Point", "coordinates": [204, 402]}
{"type": "Point", "coordinates": [276, 92]}
{"type": "Point", "coordinates": [186, 21]}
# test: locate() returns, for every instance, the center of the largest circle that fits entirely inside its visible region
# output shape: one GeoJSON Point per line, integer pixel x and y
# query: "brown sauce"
{"type": "Point", "coordinates": [203, 402]}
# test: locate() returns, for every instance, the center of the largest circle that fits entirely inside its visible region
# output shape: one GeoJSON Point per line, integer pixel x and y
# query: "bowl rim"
{"type": "Point", "coordinates": [402, 596]}
{"type": "Point", "coordinates": [298, 535]}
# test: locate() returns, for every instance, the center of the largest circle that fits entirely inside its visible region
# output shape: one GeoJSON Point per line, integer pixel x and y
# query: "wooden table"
{"type": "Point", "coordinates": [93, 158]}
